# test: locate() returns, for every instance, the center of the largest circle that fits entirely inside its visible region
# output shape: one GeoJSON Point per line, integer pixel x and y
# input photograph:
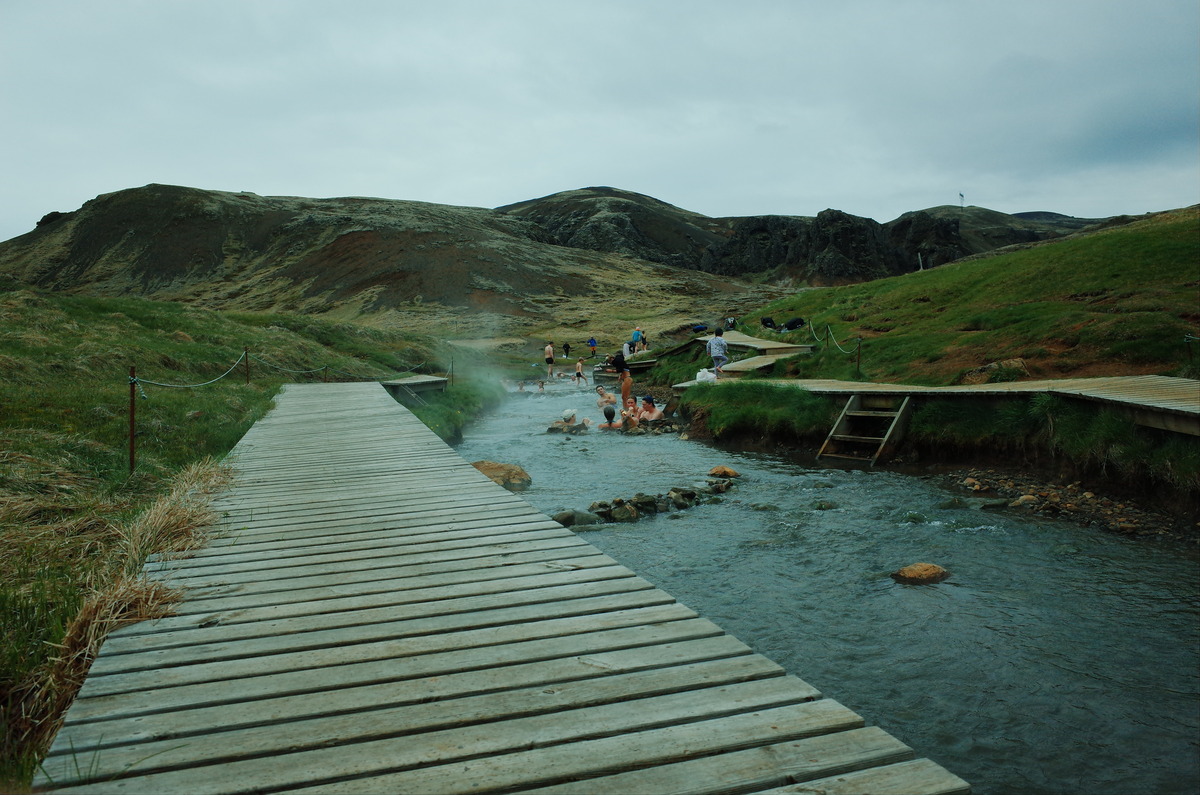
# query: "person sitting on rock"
{"type": "Point", "coordinates": [604, 398]}
{"type": "Point", "coordinates": [649, 411]}
{"type": "Point", "coordinates": [568, 425]}
{"type": "Point", "coordinates": [610, 416]}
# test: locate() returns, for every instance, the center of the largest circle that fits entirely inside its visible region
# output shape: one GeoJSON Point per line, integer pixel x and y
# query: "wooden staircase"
{"type": "Point", "coordinates": [869, 428]}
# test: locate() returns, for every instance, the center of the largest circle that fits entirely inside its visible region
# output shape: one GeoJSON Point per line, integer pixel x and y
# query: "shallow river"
{"type": "Point", "coordinates": [1055, 659]}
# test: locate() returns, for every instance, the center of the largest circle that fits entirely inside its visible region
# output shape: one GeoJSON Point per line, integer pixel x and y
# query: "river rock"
{"type": "Point", "coordinates": [623, 511]}
{"type": "Point", "coordinates": [510, 476]}
{"type": "Point", "coordinates": [920, 574]}
{"type": "Point", "coordinates": [576, 518]}
{"type": "Point", "coordinates": [721, 471]}
{"type": "Point", "coordinates": [1023, 500]}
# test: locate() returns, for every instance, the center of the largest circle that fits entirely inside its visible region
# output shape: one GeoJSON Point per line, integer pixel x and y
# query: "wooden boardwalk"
{"type": "Point", "coordinates": [1157, 401]}
{"type": "Point", "coordinates": [376, 616]}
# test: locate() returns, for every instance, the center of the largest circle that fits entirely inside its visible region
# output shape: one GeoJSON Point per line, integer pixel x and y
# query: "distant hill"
{"type": "Point", "coordinates": [831, 248]}
{"type": "Point", "coordinates": [535, 262]}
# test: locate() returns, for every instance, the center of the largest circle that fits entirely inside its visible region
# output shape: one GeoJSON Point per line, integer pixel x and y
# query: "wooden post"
{"type": "Point", "coordinates": [858, 357]}
{"type": "Point", "coordinates": [246, 355]}
{"type": "Point", "coordinates": [325, 374]}
{"type": "Point", "coordinates": [132, 414]}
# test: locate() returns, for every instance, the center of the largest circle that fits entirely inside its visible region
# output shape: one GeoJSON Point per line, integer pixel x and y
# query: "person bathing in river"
{"type": "Point", "coordinates": [648, 410]}
{"type": "Point", "coordinates": [579, 371]}
{"type": "Point", "coordinates": [630, 412]}
{"type": "Point", "coordinates": [610, 419]}
{"type": "Point", "coordinates": [604, 398]}
{"type": "Point", "coordinates": [568, 425]}
{"type": "Point", "coordinates": [549, 352]}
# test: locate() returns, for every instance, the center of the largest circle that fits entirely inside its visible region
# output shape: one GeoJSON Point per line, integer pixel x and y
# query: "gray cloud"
{"type": "Point", "coordinates": [875, 107]}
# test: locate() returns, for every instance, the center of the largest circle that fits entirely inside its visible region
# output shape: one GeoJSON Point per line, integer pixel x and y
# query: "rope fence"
{"type": "Point", "coordinates": [136, 387]}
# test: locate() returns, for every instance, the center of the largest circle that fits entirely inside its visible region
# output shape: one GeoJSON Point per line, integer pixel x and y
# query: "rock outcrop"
{"type": "Point", "coordinates": [510, 476]}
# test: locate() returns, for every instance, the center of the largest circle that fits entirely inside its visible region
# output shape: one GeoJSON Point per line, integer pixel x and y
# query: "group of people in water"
{"type": "Point", "coordinates": [632, 414]}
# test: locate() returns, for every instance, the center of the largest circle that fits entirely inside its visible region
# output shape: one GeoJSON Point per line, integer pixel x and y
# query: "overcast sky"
{"type": "Point", "coordinates": [875, 107]}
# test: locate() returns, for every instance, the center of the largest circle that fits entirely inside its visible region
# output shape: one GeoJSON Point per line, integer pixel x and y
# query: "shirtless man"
{"type": "Point", "coordinates": [604, 398]}
{"type": "Point", "coordinates": [579, 371]}
{"type": "Point", "coordinates": [649, 411]}
{"type": "Point", "coordinates": [549, 359]}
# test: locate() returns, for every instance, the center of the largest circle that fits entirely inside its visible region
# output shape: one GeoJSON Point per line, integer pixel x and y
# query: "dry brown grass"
{"type": "Point", "coordinates": [34, 709]}
{"type": "Point", "coordinates": [109, 557]}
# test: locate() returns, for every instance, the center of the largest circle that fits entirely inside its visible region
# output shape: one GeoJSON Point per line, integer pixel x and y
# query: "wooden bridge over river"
{"type": "Point", "coordinates": [374, 615]}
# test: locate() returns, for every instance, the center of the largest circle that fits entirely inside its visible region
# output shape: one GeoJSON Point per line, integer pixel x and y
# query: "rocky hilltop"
{"type": "Point", "coordinates": [530, 261]}
{"type": "Point", "coordinates": [832, 248]}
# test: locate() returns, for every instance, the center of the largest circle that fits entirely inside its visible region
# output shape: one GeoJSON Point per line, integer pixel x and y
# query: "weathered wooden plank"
{"type": "Point", "coordinates": [384, 721]}
{"type": "Point", "coordinates": [634, 748]}
{"type": "Point", "coordinates": [394, 579]}
{"type": "Point", "coordinates": [300, 536]}
{"type": "Point", "coordinates": [190, 644]}
{"type": "Point", "coordinates": [758, 702]}
{"type": "Point", "coordinates": [356, 603]}
{"type": "Point", "coordinates": [461, 555]}
{"type": "Point", "coordinates": [388, 539]}
{"type": "Point", "coordinates": [402, 574]}
{"type": "Point", "coordinates": [263, 569]}
{"type": "Point", "coordinates": [355, 698]}
{"type": "Point", "coordinates": [245, 672]}
{"type": "Point", "coordinates": [917, 777]}
{"type": "Point", "coordinates": [751, 770]}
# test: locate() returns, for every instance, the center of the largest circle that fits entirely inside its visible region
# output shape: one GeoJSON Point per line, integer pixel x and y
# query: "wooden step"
{"type": "Point", "coordinates": [847, 456]}
{"type": "Point", "coordinates": [838, 437]}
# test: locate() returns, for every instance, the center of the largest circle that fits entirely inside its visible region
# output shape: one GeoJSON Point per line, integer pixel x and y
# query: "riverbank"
{"type": "Point", "coordinates": [1029, 487]}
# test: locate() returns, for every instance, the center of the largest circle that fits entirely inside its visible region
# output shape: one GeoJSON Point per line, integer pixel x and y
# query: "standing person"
{"type": "Point", "coordinates": [591, 343]}
{"type": "Point", "coordinates": [579, 370]}
{"type": "Point", "coordinates": [623, 379]}
{"type": "Point", "coordinates": [717, 348]}
{"type": "Point", "coordinates": [549, 359]}
{"type": "Point", "coordinates": [566, 350]}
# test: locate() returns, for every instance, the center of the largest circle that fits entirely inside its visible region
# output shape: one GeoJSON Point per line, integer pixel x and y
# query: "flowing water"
{"type": "Point", "coordinates": [1055, 659]}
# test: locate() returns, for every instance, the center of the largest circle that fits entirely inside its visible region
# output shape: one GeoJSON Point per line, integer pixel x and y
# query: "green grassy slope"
{"type": "Point", "coordinates": [1116, 302]}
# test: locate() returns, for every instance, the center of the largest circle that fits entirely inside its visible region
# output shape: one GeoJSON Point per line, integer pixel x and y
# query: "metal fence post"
{"type": "Point", "coordinates": [132, 415]}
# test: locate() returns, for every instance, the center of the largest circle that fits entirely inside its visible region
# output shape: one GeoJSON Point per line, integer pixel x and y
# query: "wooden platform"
{"type": "Point", "coordinates": [1156, 401]}
{"type": "Point", "coordinates": [377, 616]}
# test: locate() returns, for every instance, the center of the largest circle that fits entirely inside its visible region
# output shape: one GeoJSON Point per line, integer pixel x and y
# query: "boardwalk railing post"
{"type": "Point", "coordinates": [858, 356]}
{"type": "Point", "coordinates": [246, 355]}
{"type": "Point", "coordinates": [132, 414]}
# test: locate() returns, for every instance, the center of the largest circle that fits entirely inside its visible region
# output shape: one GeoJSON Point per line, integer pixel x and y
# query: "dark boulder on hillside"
{"type": "Point", "coordinates": [929, 240]}
{"type": "Point", "coordinates": [833, 248]}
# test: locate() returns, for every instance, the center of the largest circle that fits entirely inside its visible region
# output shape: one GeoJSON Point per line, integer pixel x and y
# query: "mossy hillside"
{"type": "Point", "coordinates": [1119, 301]}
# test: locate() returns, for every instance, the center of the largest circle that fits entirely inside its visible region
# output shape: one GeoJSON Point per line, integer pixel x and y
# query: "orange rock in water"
{"type": "Point", "coordinates": [721, 471]}
{"type": "Point", "coordinates": [920, 574]}
{"type": "Point", "coordinates": [510, 476]}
